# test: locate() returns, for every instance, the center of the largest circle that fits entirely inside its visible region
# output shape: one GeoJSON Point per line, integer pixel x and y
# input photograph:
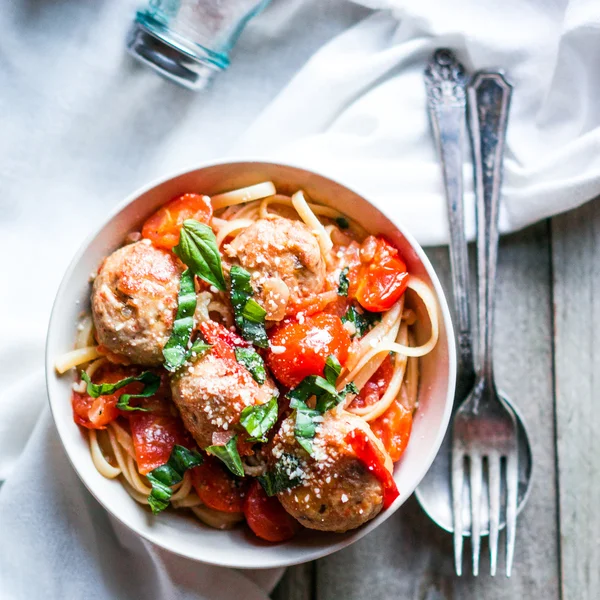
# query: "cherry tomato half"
{"type": "Point", "coordinates": [154, 436]}
{"type": "Point", "coordinates": [97, 413]}
{"type": "Point", "coordinates": [301, 349]}
{"type": "Point", "coordinates": [162, 228]}
{"type": "Point", "coordinates": [266, 517]}
{"type": "Point", "coordinates": [393, 428]}
{"type": "Point", "coordinates": [217, 488]}
{"type": "Point", "coordinates": [374, 389]}
{"type": "Point", "coordinates": [222, 339]}
{"type": "Point", "coordinates": [383, 278]}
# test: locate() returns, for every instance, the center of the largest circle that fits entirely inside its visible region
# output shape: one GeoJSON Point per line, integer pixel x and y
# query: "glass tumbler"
{"type": "Point", "coordinates": [189, 41]}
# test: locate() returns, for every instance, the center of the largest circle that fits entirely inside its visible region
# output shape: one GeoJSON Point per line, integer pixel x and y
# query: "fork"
{"type": "Point", "coordinates": [485, 431]}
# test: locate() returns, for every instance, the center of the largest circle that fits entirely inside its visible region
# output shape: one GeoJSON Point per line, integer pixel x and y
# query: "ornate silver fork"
{"type": "Point", "coordinates": [485, 430]}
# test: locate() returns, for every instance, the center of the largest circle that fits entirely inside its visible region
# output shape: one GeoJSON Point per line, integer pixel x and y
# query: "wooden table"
{"type": "Point", "coordinates": [547, 328]}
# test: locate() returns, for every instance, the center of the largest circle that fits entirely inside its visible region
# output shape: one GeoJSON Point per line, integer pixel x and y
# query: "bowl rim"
{"type": "Point", "coordinates": [310, 553]}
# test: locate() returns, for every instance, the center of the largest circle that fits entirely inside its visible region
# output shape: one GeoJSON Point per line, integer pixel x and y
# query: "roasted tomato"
{"type": "Point", "coordinates": [393, 428]}
{"type": "Point", "coordinates": [222, 339]}
{"type": "Point", "coordinates": [374, 389]}
{"type": "Point", "coordinates": [218, 488]}
{"type": "Point", "coordinates": [162, 228]}
{"type": "Point", "coordinates": [298, 349]}
{"type": "Point", "coordinates": [154, 436]}
{"type": "Point", "coordinates": [382, 278]}
{"type": "Point", "coordinates": [372, 458]}
{"type": "Point", "coordinates": [266, 517]}
{"type": "Point", "coordinates": [97, 413]}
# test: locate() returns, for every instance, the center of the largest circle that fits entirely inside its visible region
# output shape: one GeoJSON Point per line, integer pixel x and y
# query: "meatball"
{"type": "Point", "coordinates": [211, 394]}
{"type": "Point", "coordinates": [285, 259]}
{"type": "Point", "coordinates": [337, 491]}
{"type": "Point", "coordinates": [134, 301]}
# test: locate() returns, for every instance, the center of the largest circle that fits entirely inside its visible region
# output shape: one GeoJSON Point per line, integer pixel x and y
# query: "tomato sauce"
{"type": "Point", "coordinates": [372, 459]}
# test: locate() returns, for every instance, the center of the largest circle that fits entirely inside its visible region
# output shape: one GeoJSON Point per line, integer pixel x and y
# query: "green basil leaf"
{"type": "Point", "coordinates": [253, 311]}
{"type": "Point", "coordinates": [350, 388]}
{"type": "Point", "coordinates": [362, 321]}
{"type": "Point", "coordinates": [258, 419]}
{"type": "Point", "coordinates": [150, 380]}
{"type": "Point", "coordinates": [344, 282]}
{"type": "Point", "coordinates": [252, 360]}
{"type": "Point", "coordinates": [198, 348]}
{"type": "Point", "coordinates": [240, 286]}
{"type": "Point", "coordinates": [332, 369]}
{"type": "Point", "coordinates": [175, 350]}
{"type": "Point", "coordinates": [327, 397]}
{"type": "Point", "coordinates": [163, 478]}
{"type": "Point", "coordinates": [313, 385]}
{"type": "Point", "coordinates": [252, 332]}
{"type": "Point", "coordinates": [229, 455]}
{"type": "Point", "coordinates": [307, 420]}
{"type": "Point", "coordinates": [342, 222]}
{"type": "Point", "coordinates": [198, 249]}
{"type": "Point", "coordinates": [285, 475]}
{"type": "Point", "coordinates": [249, 315]}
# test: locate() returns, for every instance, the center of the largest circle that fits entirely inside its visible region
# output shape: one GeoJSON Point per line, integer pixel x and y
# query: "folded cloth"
{"type": "Point", "coordinates": [356, 110]}
{"type": "Point", "coordinates": [76, 550]}
{"type": "Point", "coordinates": [82, 126]}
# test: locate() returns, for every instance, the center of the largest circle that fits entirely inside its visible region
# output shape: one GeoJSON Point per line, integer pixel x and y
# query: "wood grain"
{"type": "Point", "coordinates": [576, 261]}
{"type": "Point", "coordinates": [296, 584]}
{"type": "Point", "coordinates": [409, 557]}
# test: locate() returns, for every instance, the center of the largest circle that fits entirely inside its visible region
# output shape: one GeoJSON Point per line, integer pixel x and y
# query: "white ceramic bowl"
{"type": "Point", "coordinates": [174, 530]}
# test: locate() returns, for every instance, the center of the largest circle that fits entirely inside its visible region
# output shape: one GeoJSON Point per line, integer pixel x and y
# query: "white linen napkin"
{"type": "Point", "coordinates": [356, 111]}
{"type": "Point", "coordinates": [82, 126]}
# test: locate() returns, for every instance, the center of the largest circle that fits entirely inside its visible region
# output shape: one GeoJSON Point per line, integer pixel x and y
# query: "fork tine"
{"type": "Point", "coordinates": [511, 508]}
{"type": "Point", "coordinates": [494, 488]}
{"type": "Point", "coordinates": [458, 478]}
{"type": "Point", "coordinates": [475, 474]}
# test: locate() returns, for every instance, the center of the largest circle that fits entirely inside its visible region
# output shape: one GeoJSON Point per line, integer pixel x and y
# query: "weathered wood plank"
{"type": "Point", "coordinates": [296, 584]}
{"type": "Point", "coordinates": [409, 557]}
{"type": "Point", "coordinates": [576, 261]}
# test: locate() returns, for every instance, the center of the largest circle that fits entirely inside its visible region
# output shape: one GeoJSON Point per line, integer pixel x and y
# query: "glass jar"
{"type": "Point", "coordinates": [189, 41]}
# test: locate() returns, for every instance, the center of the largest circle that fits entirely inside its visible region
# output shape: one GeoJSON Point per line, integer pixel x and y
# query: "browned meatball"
{"type": "Point", "coordinates": [285, 261]}
{"type": "Point", "coordinates": [337, 491]}
{"type": "Point", "coordinates": [212, 392]}
{"type": "Point", "coordinates": [134, 301]}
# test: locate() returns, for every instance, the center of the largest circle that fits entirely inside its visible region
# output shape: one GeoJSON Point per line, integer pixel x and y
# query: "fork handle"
{"type": "Point", "coordinates": [488, 100]}
{"type": "Point", "coordinates": [445, 81]}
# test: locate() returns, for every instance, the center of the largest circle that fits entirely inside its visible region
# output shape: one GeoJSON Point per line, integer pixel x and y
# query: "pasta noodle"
{"type": "Point", "coordinates": [252, 192]}
{"type": "Point", "coordinates": [307, 215]}
{"type": "Point", "coordinates": [75, 358]}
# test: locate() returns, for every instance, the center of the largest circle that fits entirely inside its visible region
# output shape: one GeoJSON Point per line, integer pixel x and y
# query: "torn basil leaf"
{"type": "Point", "coordinates": [332, 369]}
{"type": "Point", "coordinates": [163, 478]}
{"type": "Point", "coordinates": [150, 380]}
{"type": "Point", "coordinates": [175, 350]}
{"type": "Point", "coordinates": [285, 475]}
{"type": "Point", "coordinates": [229, 455]}
{"type": "Point", "coordinates": [198, 348]}
{"type": "Point", "coordinates": [307, 420]}
{"type": "Point", "coordinates": [362, 321]}
{"type": "Point", "coordinates": [253, 311]}
{"type": "Point", "coordinates": [342, 222]}
{"type": "Point", "coordinates": [327, 397]}
{"type": "Point", "coordinates": [344, 282]}
{"type": "Point", "coordinates": [257, 420]}
{"type": "Point", "coordinates": [249, 315]}
{"type": "Point", "coordinates": [198, 249]}
{"type": "Point", "coordinates": [252, 360]}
